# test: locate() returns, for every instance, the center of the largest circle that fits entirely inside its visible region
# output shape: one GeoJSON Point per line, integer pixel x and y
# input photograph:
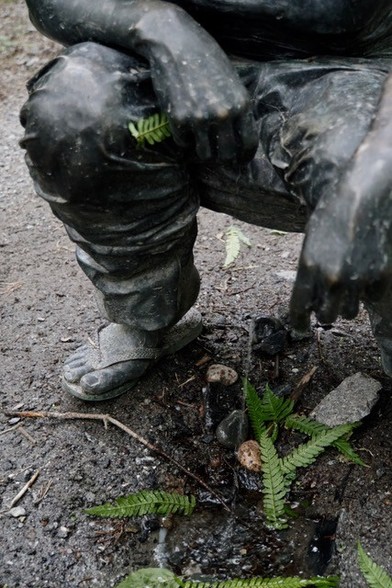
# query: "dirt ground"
{"type": "Point", "coordinates": [47, 309]}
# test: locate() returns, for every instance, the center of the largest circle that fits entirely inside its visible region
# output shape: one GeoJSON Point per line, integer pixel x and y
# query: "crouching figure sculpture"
{"type": "Point", "coordinates": [280, 115]}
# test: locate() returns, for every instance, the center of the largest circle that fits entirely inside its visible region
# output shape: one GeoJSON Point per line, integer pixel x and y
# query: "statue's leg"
{"type": "Point", "coordinates": [131, 212]}
{"type": "Point", "coordinates": [312, 116]}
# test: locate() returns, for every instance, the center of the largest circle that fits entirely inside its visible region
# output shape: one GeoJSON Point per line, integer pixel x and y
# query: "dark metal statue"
{"type": "Point", "coordinates": [281, 115]}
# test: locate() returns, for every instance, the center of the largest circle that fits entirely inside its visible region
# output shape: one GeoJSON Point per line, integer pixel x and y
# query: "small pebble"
{"type": "Point", "coordinates": [17, 511]}
{"type": "Point", "coordinates": [248, 455]}
{"type": "Point", "coordinates": [221, 374]}
{"type": "Point", "coordinates": [63, 532]}
{"type": "Point", "coordinates": [14, 421]}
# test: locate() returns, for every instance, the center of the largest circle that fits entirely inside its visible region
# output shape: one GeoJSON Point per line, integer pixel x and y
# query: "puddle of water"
{"type": "Point", "coordinates": [215, 545]}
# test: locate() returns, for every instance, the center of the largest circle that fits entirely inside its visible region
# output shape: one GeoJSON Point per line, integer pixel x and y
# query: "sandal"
{"type": "Point", "coordinates": [109, 351]}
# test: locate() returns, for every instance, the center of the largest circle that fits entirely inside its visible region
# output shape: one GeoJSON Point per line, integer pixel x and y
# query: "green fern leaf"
{"type": "Point", "coordinates": [161, 578]}
{"type": "Point", "coordinates": [234, 238]}
{"type": "Point", "coordinates": [306, 454]}
{"type": "Point", "coordinates": [153, 129]}
{"type": "Point", "coordinates": [275, 486]}
{"type": "Point", "coordinates": [255, 409]}
{"type": "Point", "coordinates": [269, 408]}
{"type": "Point", "coordinates": [150, 578]}
{"type": "Point", "coordinates": [274, 408]}
{"type": "Point", "coordinates": [313, 428]}
{"type": "Point", "coordinates": [146, 502]}
{"type": "Point", "coordinates": [374, 574]}
{"type": "Point", "coordinates": [280, 582]}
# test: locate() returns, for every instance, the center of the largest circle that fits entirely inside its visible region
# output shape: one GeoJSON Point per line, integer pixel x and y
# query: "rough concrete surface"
{"type": "Point", "coordinates": [350, 402]}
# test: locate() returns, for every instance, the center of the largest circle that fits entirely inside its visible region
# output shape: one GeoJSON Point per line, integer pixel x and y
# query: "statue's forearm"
{"type": "Point", "coordinates": [145, 26]}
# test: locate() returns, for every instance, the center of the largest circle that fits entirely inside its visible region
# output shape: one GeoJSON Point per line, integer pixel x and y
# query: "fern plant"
{"type": "Point", "coordinates": [145, 502]}
{"type": "Point", "coordinates": [234, 238]}
{"type": "Point", "coordinates": [278, 474]}
{"type": "Point", "coordinates": [160, 578]}
{"type": "Point", "coordinates": [374, 574]}
{"type": "Point", "coordinates": [153, 129]}
{"type": "Point", "coordinates": [313, 428]}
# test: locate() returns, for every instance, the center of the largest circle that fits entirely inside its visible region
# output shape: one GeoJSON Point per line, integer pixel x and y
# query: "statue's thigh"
{"type": "Point", "coordinates": [312, 117]}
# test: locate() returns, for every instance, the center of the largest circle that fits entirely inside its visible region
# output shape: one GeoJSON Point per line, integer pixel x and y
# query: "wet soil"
{"type": "Point", "coordinates": [47, 309]}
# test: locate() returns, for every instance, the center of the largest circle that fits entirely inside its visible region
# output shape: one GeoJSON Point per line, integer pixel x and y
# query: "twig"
{"type": "Point", "coordinates": [26, 434]}
{"type": "Point", "coordinates": [243, 290]}
{"type": "Point", "coordinates": [319, 348]}
{"type": "Point", "coordinates": [187, 381]}
{"type": "Point", "coordinates": [10, 429]}
{"type": "Point", "coordinates": [43, 492]}
{"type": "Point", "coordinates": [105, 418]}
{"type": "Point", "coordinates": [11, 287]}
{"type": "Point", "coordinates": [25, 488]}
{"type": "Point", "coordinates": [304, 381]}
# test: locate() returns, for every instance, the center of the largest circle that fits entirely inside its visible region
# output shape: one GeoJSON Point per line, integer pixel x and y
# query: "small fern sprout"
{"type": "Point", "coordinates": [153, 129]}
{"type": "Point", "coordinates": [234, 238]}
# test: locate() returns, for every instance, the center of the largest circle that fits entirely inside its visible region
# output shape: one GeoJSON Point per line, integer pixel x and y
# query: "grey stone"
{"type": "Point", "coordinates": [351, 401]}
{"type": "Point", "coordinates": [17, 511]}
{"type": "Point", "coordinates": [233, 430]}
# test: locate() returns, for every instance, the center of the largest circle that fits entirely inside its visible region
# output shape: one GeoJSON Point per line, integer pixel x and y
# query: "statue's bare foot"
{"type": "Point", "coordinates": [121, 355]}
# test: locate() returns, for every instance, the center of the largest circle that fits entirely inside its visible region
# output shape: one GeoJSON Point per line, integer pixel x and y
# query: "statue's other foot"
{"type": "Point", "coordinates": [120, 356]}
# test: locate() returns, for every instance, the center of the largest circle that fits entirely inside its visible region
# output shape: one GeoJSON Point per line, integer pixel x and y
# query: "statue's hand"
{"type": "Point", "coordinates": [342, 261]}
{"type": "Point", "coordinates": [208, 109]}
{"type": "Point", "coordinates": [197, 86]}
{"type": "Point", "coordinates": [347, 252]}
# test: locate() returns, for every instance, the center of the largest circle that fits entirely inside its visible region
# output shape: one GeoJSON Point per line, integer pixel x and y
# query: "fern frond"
{"type": "Point", "coordinates": [269, 408]}
{"type": "Point", "coordinates": [374, 574]}
{"type": "Point", "coordinates": [274, 408]}
{"type": "Point", "coordinates": [145, 502]}
{"type": "Point", "coordinates": [280, 582]}
{"type": "Point", "coordinates": [151, 578]}
{"type": "Point", "coordinates": [153, 129]}
{"type": "Point", "coordinates": [306, 454]}
{"type": "Point", "coordinates": [275, 486]}
{"type": "Point", "coordinates": [234, 238]}
{"type": "Point", "coordinates": [161, 578]}
{"type": "Point", "coordinates": [313, 428]}
{"type": "Point", "coordinates": [255, 409]}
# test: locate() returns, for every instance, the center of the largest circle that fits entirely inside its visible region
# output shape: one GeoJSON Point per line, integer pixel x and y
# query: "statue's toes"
{"type": "Point", "coordinates": [78, 357]}
{"type": "Point", "coordinates": [76, 370]}
{"type": "Point", "coordinates": [111, 377]}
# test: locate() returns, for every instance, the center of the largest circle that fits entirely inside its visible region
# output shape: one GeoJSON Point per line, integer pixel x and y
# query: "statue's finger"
{"type": "Point", "coordinates": [349, 306]}
{"type": "Point", "coordinates": [247, 137]}
{"type": "Point", "coordinates": [223, 139]}
{"type": "Point", "coordinates": [330, 304]}
{"type": "Point", "coordinates": [202, 144]}
{"type": "Point", "coordinates": [302, 301]}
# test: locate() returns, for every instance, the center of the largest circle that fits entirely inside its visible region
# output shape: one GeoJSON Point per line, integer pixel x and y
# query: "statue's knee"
{"type": "Point", "coordinates": [63, 103]}
{"type": "Point", "coordinates": [74, 102]}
